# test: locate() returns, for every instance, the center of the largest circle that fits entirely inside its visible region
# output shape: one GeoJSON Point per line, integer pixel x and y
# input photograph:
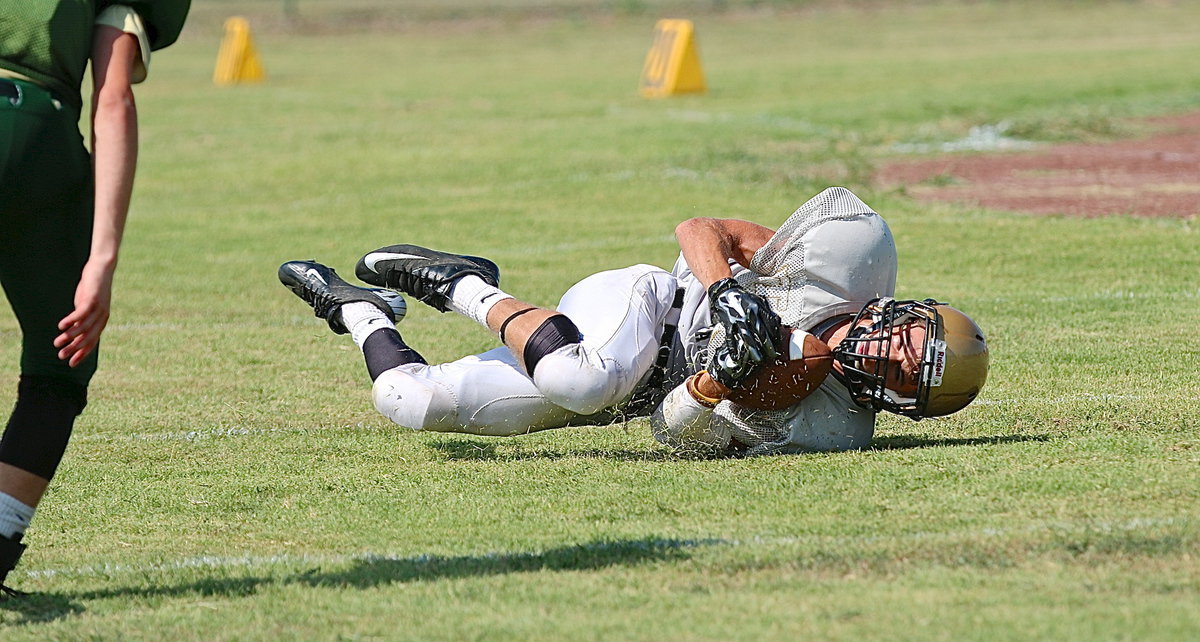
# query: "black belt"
{"type": "Point", "coordinates": [32, 96]}
{"type": "Point", "coordinates": [650, 393]}
{"type": "Point", "coordinates": [668, 339]}
{"type": "Point", "coordinates": [11, 91]}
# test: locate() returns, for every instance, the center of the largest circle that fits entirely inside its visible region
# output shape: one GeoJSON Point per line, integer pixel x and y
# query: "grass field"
{"type": "Point", "coordinates": [231, 481]}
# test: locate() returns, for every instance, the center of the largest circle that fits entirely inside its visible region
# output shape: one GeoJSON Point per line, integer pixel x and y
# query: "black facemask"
{"type": "Point", "coordinates": [865, 369]}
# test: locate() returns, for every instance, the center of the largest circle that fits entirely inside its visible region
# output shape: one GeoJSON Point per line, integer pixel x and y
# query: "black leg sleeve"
{"type": "Point", "coordinates": [384, 350]}
{"type": "Point", "coordinates": [554, 333]}
{"type": "Point", "coordinates": [41, 424]}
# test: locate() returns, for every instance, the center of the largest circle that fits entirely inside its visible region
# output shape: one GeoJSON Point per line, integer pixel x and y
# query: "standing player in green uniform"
{"type": "Point", "coordinates": [62, 214]}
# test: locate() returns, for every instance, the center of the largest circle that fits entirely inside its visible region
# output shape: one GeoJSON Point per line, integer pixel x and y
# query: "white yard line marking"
{"type": "Point", "coordinates": [1083, 396]}
{"type": "Point", "coordinates": [1102, 295]}
{"type": "Point", "coordinates": [215, 433]}
{"type": "Point", "coordinates": [568, 248]}
{"type": "Point", "coordinates": [577, 246]}
{"type": "Point", "coordinates": [218, 433]}
{"type": "Point", "coordinates": [250, 562]}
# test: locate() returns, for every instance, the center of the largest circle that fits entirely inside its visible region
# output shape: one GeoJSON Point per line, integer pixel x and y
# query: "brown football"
{"type": "Point", "coordinates": [788, 379]}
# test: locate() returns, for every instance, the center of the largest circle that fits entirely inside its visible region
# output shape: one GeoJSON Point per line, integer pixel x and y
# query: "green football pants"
{"type": "Point", "coordinates": [46, 201]}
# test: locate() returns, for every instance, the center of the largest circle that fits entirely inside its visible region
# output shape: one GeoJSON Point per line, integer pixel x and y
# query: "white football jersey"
{"type": "Point", "coordinates": [828, 259]}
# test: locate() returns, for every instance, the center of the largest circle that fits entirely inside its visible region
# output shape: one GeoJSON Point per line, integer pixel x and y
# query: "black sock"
{"type": "Point", "coordinates": [384, 349]}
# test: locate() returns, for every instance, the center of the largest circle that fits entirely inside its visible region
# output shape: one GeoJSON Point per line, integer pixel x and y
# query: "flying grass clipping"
{"type": "Point", "coordinates": [673, 64]}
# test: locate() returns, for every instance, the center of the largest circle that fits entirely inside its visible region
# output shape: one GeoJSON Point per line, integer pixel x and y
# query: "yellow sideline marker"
{"type": "Point", "coordinates": [673, 64]}
{"type": "Point", "coordinates": [237, 61]}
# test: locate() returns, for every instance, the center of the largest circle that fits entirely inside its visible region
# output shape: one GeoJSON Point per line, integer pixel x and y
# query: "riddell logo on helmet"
{"type": "Point", "coordinates": [939, 363]}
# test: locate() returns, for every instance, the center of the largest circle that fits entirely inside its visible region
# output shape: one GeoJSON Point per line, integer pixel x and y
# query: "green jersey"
{"type": "Point", "coordinates": [50, 41]}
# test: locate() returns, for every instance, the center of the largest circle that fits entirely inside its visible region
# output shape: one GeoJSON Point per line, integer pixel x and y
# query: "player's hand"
{"type": "Point", "coordinates": [752, 332]}
{"type": "Point", "coordinates": [81, 328]}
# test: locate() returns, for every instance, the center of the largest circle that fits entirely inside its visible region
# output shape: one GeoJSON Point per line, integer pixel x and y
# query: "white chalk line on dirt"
{"type": "Point", "coordinates": [812, 542]}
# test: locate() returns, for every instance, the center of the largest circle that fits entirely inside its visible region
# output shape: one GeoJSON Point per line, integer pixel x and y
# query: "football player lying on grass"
{"type": "Point", "coordinates": [728, 352]}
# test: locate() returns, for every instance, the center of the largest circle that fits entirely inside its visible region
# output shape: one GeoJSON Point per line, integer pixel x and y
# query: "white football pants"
{"type": "Point", "coordinates": [621, 315]}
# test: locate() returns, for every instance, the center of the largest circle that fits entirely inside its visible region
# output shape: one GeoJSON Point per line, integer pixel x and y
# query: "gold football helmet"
{"type": "Point", "coordinates": [954, 360]}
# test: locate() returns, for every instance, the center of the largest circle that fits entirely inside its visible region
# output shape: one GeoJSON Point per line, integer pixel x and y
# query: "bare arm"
{"type": "Point", "coordinates": [709, 243]}
{"type": "Point", "coordinates": [114, 158]}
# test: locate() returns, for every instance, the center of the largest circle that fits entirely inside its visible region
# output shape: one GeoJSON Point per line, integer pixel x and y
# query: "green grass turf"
{"type": "Point", "coordinates": [231, 481]}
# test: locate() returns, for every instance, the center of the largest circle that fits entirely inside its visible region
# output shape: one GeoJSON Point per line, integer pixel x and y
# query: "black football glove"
{"type": "Point", "coordinates": [752, 332]}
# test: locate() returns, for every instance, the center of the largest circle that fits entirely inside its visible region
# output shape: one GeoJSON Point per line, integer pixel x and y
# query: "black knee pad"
{"type": "Point", "coordinates": [41, 424]}
{"type": "Point", "coordinates": [554, 333]}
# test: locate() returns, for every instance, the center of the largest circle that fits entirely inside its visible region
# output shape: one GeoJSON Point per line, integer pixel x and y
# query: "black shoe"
{"type": "Point", "coordinates": [426, 274]}
{"type": "Point", "coordinates": [322, 288]}
{"type": "Point", "coordinates": [10, 554]}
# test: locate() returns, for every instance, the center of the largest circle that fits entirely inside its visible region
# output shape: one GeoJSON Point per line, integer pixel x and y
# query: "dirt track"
{"type": "Point", "coordinates": [1154, 176]}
